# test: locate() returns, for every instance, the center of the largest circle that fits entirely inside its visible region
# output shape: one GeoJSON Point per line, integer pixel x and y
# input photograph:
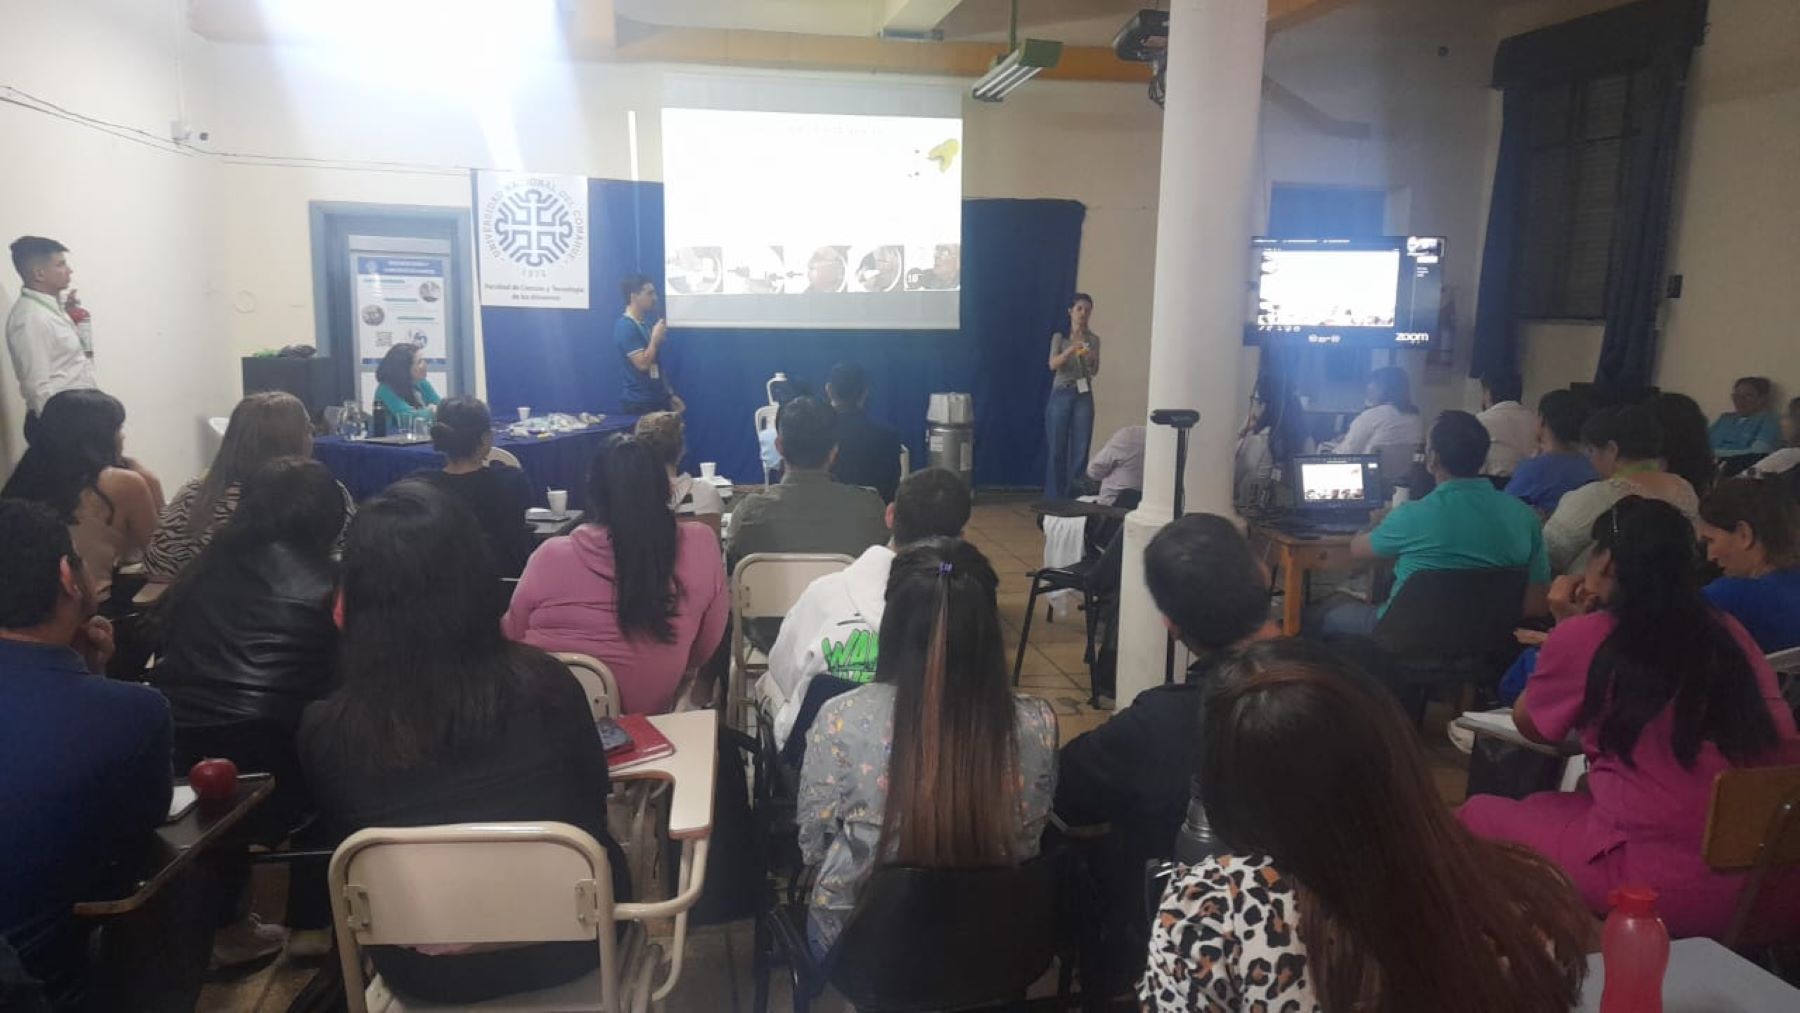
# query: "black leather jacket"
{"type": "Point", "coordinates": [253, 640]}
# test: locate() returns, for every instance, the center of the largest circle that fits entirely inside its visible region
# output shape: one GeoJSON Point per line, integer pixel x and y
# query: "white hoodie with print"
{"type": "Point", "coordinates": [831, 630]}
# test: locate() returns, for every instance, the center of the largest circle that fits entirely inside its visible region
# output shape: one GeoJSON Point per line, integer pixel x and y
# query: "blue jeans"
{"type": "Point", "coordinates": [1339, 615]}
{"type": "Point", "coordinates": [1069, 426]}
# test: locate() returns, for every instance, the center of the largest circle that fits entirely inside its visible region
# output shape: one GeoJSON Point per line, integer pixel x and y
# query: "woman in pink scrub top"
{"type": "Point", "coordinates": [1665, 692]}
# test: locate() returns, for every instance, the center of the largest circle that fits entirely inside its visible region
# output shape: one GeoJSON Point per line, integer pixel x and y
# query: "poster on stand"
{"type": "Point", "coordinates": [401, 300]}
{"type": "Point", "coordinates": [532, 239]}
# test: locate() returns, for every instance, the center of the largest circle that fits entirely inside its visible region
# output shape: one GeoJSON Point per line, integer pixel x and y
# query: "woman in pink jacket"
{"type": "Point", "coordinates": [632, 587]}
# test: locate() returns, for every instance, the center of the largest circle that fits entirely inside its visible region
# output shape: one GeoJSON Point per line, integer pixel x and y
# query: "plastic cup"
{"type": "Point", "coordinates": [524, 412]}
{"type": "Point", "coordinates": [559, 501]}
{"type": "Point", "coordinates": [709, 470]}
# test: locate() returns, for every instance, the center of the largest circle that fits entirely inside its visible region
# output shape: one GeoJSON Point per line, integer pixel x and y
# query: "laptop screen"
{"type": "Point", "coordinates": [1336, 483]}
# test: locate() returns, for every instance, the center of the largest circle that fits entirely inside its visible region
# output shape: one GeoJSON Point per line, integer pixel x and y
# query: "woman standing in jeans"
{"type": "Point", "coordinates": [1069, 417]}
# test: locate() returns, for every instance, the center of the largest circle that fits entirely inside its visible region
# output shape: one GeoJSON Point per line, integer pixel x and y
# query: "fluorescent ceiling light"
{"type": "Point", "coordinates": [1016, 68]}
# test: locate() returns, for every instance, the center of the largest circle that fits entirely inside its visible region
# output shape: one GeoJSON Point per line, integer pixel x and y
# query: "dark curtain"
{"type": "Point", "coordinates": [1657, 36]}
{"type": "Point", "coordinates": [1640, 237]}
{"type": "Point", "coordinates": [1495, 349]}
{"type": "Point", "coordinates": [1019, 263]}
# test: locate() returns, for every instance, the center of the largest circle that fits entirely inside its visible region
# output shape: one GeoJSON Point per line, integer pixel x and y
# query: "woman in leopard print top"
{"type": "Point", "coordinates": [1349, 885]}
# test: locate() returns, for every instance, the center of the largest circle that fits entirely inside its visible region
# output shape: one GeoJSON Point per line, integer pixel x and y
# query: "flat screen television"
{"type": "Point", "coordinates": [1375, 292]}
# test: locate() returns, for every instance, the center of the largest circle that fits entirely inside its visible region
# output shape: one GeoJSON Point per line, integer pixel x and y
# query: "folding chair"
{"type": "Point", "coordinates": [765, 585]}
{"type": "Point", "coordinates": [765, 419]}
{"type": "Point", "coordinates": [1752, 823]}
{"type": "Point", "coordinates": [506, 457]}
{"type": "Point", "coordinates": [1450, 627]}
{"type": "Point", "coordinates": [477, 883]}
{"type": "Point", "coordinates": [596, 681]}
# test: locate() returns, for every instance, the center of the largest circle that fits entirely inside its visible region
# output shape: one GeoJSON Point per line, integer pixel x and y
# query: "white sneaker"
{"type": "Point", "coordinates": [246, 941]}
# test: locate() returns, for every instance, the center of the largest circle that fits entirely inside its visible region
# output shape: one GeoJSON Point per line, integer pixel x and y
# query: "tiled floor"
{"type": "Point", "coordinates": [717, 975]}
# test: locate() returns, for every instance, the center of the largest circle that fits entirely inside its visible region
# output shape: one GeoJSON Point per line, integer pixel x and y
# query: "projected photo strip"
{"type": "Point", "coordinates": [795, 220]}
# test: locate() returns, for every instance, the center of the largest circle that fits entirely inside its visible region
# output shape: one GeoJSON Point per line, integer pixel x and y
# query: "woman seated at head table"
{"type": "Point", "coordinates": [403, 389]}
{"type": "Point", "coordinates": [937, 763]}
{"type": "Point", "coordinates": [1391, 419]}
{"type": "Point", "coordinates": [1665, 692]}
{"type": "Point", "coordinates": [1625, 445]}
{"type": "Point", "coordinates": [497, 494]}
{"type": "Point", "coordinates": [76, 465]}
{"type": "Point", "coordinates": [263, 427]}
{"type": "Point", "coordinates": [1749, 427]}
{"type": "Point", "coordinates": [691, 498]}
{"type": "Point", "coordinates": [1318, 903]}
{"type": "Point", "coordinates": [440, 719]}
{"type": "Point", "coordinates": [630, 586]}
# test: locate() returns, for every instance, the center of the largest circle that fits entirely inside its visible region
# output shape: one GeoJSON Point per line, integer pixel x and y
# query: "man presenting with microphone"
{"type": "Point", "coordinates": [640, 346]}
{"type": "Point", "coordinates": [47, 335]}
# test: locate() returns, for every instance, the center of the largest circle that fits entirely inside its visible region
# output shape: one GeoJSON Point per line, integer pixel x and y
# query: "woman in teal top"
{"type": "Point", "coordinates": [403, 389]}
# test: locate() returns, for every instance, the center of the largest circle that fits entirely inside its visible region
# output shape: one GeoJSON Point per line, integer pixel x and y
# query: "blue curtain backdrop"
{"type": "Point", "coordinates": [1019, 265]}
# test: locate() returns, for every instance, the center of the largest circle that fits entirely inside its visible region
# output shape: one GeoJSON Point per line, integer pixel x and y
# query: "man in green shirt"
{"type": "Point", "coordinates": [1464, 524]}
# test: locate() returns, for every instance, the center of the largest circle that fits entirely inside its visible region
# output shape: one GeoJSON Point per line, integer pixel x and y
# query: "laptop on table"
{"type": "Point", "coordinates": [1334, 493]}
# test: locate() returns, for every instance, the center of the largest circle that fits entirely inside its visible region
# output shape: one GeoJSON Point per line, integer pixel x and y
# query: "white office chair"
{"type": "Point", "coordinates": [765, 585]}
{"type": "Point", "coordinates": [596, 681]}
{"type": "Point", "coordinates": [765, 420]}
{"type": "Point", "coordinates": [478, 883]}
{"type": "Point", "coordinates": [505, 457]}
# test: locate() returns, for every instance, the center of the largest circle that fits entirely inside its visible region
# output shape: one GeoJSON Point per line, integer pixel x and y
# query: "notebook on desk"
{"type": "Point", "coordinates": [645, 743]}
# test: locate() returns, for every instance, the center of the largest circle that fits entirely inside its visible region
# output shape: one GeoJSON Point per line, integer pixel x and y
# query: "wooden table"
{"type": "Point", "coordinates": [175, 845]}
{"type": "Point", "coordinates": [1704, 977]}
{"type": "Point", "coordinates": [1293, 557]}
{"type": "Point", "coordinates": [689, 771]}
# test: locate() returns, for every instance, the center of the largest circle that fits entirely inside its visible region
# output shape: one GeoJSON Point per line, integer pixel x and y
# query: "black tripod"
{"type": "Point", "coordinates": [1181, 420]}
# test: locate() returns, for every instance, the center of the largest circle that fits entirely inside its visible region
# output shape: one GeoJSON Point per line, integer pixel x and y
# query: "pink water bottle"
{"type": "Point", "coordinates": [1635, 947]}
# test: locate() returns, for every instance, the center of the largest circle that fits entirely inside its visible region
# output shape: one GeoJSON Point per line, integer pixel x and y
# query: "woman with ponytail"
{"type": "Point", "coordinates": [497, 494]}
{"type": "Point", "coordinates": [1665, 692]}
{"type": "Point", "coordinates": [937, 763]}
{"type": "Point", "coordinates": [631, 587]}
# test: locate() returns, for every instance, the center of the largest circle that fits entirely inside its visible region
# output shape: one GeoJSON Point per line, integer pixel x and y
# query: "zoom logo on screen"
{"type": "Point", "coordinates": [534, 224]}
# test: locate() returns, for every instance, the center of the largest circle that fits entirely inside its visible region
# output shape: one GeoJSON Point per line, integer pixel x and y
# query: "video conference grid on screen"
{"type": "Point", "coordinates": [783, 219]}
{"type": "Point", "coordinates": [1359, 293]}
{"type": "Point", "coordinates": [1332, 482]}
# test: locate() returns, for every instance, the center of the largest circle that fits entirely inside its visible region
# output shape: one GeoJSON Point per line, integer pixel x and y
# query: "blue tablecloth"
{"type": "Point", "coordinates": [556, 462]}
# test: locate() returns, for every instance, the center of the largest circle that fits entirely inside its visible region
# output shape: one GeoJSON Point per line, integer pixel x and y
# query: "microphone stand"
{"type": "Point", "coordinates": [1181, 420]}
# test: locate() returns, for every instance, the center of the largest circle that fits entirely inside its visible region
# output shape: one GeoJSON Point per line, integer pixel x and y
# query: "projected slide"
{"type": "Point", "coordinates": [780, 219]}
{"type": "Point", "coordinates": [1314, 288]}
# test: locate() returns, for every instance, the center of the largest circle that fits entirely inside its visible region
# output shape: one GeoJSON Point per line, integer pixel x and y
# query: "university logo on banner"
{"type": "Point", "coordinates": [532, 239]}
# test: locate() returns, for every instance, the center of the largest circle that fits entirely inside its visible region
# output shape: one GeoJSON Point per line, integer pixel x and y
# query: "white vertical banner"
{"type": "Point", "coordinates": [532, 239]}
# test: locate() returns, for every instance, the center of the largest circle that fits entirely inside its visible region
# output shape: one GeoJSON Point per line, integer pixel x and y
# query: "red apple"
{"type": "Point", "coordinates": [213, 778]}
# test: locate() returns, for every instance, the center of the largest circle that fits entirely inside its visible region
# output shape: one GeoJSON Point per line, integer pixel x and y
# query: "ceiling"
{"type": "Point", "coordinates": [1075, 22]}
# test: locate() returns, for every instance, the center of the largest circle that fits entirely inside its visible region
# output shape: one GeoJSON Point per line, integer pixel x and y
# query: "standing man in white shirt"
{"type": "Point", "coordinates": [48, 352]}
{"type": "Point", "coordinates": [1511, 426]}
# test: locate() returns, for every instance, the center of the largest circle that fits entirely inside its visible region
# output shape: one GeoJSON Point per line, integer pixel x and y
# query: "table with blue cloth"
{"type": "Point", "coordinates": [558, 461]}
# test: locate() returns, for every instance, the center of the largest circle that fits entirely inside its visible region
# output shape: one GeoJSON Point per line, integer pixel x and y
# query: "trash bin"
{"type": "Point", "coordinates": [950, 435]}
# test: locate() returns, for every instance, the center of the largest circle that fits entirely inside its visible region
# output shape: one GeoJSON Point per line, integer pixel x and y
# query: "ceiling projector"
{"type": "Point", "coordinates": [1145, 39]}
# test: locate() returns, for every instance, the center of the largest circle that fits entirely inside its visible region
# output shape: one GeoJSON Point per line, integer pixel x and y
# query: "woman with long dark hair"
{"type": "Point", "coordinates": [937, 763]}
{"type": "Point", "coordinates": [263, 427]}
{"type": "Point", "coordinates": [1074, 362]}
{"type": "Point", "coordinates": [1665, 692]}
{"type": "Point", "coordinates": [1272, 434]}
{"type": "Point", "coordinates": [1348, 885]}
{"type": "Point", "coordinates": [401, 385]}
{"type": "Point", "coordinates": [498, 494]}
{"type": "Point", "coordinates": [76, 465]}
{"type": "Point", "coordinates": [630, 587]}
{"type": "Point", "coordinates": [1687, 450]}
{"type": "Point", "coordinates": [1751, 528]}
{"type": "Point", "coordinates": [441, 719]}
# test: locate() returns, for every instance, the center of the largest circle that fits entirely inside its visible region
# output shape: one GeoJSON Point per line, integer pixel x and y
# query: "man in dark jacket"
{"type": "Point", "coordinates": [1134, 772]}
{"type": "Point", "coordinates": [868, 452]}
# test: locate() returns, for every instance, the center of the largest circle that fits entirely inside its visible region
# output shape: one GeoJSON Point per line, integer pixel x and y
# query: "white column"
{"type": "Point", "coordinates": [1197, 321]}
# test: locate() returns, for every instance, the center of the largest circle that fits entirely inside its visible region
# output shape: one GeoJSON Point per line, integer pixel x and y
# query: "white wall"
{"type": "Point", "coordinates": [138, 215]}
{"type": "Point", "coordinates": [278, 106]}
{"type": "Point", "coordinates": [1736, 231]}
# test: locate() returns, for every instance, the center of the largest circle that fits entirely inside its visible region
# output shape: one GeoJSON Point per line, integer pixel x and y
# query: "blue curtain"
{"type": "Point", "coordinates": [1019, 264]}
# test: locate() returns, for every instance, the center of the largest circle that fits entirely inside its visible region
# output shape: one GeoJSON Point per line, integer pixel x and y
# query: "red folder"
{"type": "Point", "coordinates": [646, 742]}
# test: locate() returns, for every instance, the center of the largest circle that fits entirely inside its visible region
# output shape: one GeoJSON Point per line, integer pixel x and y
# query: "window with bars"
{"type": "Point", "coordinates": [1579, 131]}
